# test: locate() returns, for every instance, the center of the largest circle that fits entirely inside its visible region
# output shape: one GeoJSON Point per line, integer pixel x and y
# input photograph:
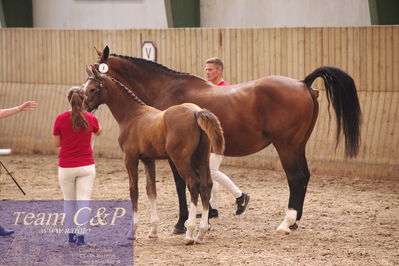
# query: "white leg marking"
{"type": "Point", "coordinates": [154, 220]}
{"type": "Point", "coordinates": [290, 219]}
{"type": "Point", "coordinates": [203, 227]}
{"type": "Point", "coordinates": [190, 224]}
{"type": "Point", "coordinates": [131, 234]}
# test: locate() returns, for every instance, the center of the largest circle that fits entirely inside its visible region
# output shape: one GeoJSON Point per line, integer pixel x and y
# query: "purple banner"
{"type": "Point", "coordinates": [46, 232]}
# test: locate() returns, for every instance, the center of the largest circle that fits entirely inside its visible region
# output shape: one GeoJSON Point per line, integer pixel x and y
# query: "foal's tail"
{"type": "Point", "coordinates": [209, 123]}
{"type": "Point", "coordinates": [341, 92]}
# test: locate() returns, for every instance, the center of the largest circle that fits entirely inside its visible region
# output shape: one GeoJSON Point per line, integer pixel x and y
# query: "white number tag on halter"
{"type": "Point", "coordinates": [103, 68]}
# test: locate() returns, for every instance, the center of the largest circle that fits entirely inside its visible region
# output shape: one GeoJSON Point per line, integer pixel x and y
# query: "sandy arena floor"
{"type": "Point", "coordinates": [347, 220]}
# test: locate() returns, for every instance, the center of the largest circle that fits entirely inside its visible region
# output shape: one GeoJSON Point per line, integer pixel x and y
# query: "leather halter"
{"type": "Point", "coordinates": [134, 96]}
{"type": "Point", "coordinates": [96, 92]}
{"type": "Point", "coordinates": [96, 79]}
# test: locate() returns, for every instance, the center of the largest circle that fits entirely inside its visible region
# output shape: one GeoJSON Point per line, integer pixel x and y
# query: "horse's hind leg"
{"type": "Point", "coordinates": [152, 196]}
{"type": "Point", "coordinates": [292, 156]}
{"type": "Point", "coordinates": [304, 166]}
{"type": "Point", "coordinates": [298, 178]}
{"type": "Point", "coordinates": [181, 193]}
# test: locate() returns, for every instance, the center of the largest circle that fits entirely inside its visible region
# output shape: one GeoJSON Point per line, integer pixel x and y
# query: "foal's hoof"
{"type": "Point", "coordinates": [152, 236]}
{"type": "Point", "coordinates": [131, 237]}
{"type": "Point", "coordinates": [177, 230]}
{"type": "Point", "coordinates": [199, 240]}
{"type": "Point", "coordinates": [294, 226]}
{"type": "Point", "coordinates": [282, 231]}
{"type": "Point", "coordinates": [188, 241]}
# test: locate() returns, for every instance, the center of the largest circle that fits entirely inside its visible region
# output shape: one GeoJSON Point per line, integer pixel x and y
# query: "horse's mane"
{"type": "Point", "coordinates": [131, 93]}
{"type": "Point", "coordinates": [144, 62]}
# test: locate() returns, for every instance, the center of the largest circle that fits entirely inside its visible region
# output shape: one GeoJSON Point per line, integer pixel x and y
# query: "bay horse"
{"type": "Point", "coordinates": [272, 110]}
{"type": "Point", "coordinates": [182, 133]}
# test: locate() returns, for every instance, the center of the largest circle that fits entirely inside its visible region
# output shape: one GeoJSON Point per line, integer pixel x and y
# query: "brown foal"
{"type": "Point", "coordinates": [183, 134]}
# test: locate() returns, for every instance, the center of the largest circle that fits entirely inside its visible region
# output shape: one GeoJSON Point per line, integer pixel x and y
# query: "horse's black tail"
{"type": "Point", "coordinates": [341, 92]}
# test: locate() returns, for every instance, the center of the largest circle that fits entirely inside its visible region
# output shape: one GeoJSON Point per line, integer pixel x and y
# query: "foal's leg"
{"type": "Point", "coordinates": [297, 180]}
{"type": "Point", "coordinates": [201, 162]}
{"type": "Point", "coordinates": [152, 196]}
{"type": "Point", "coordinates": [185, 170]}
{"type": "Point", "coordinates": [191, 221]}
{"type": "Point", "coordinates": [205, 191]}
{"type": "Point", "coordinates": [131, 164]}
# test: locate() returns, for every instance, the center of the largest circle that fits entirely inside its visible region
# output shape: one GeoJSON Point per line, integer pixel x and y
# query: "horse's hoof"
{"type": "Point", "coordinates": [294, 226]}
{"type": "Point", "coordinates": [281, 231]}
{"type": "Point", "coordinates": [131, 237]}
{"type": "Point", "coordinates": [177, 230]}
{"type": "Point", "coordinates": [210, 228]}
{"type": "Point", "coordinates": [188, 241]}
{"type": "Point", "coordinates": [152, 236]}
{"type": "Point", "coordinates": [126, 244]}
{"type": "Point", "coordinates": [199, 241]}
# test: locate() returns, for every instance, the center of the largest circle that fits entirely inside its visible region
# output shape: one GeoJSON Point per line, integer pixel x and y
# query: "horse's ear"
{"type": "Point", "coordinates": [99, 53]}
{"type": "Point", "coordinates": [89, 71]}
{"type": "Point", "coordinates": [105, 53]}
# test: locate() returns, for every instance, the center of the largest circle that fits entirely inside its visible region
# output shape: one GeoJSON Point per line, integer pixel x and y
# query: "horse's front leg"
{"type": "Point", "coordinates": [152, 196]}
{"type": "Point", "coordinates": [131, 164]}
{"type": "Point", "coordinates": [181, 193]}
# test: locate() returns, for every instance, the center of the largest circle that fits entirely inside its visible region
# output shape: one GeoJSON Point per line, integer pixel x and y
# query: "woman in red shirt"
{"type": "Point", "coordinates": [76, 172]}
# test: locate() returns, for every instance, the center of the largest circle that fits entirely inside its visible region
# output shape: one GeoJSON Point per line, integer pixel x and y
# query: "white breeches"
{"type": "Point", "coordinates": [219, 178]}
{"type": "Point", "coordinates": [77, 185]}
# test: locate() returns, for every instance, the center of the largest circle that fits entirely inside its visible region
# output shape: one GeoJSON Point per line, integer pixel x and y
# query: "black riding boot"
{"type": "Point", "coordinates": [81, 240]}
{"type": "Point", "coordinates": [72, 238]}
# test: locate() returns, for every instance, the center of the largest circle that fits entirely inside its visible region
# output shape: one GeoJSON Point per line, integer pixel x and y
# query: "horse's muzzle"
{"type": "Point", "coordinates": [90, 109]}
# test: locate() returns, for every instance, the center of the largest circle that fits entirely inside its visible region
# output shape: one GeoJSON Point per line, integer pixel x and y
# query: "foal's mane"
{"type": "Point", "coordinates": [152, 64]}
{"type": "Point", "coordinates": [131, 93]}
